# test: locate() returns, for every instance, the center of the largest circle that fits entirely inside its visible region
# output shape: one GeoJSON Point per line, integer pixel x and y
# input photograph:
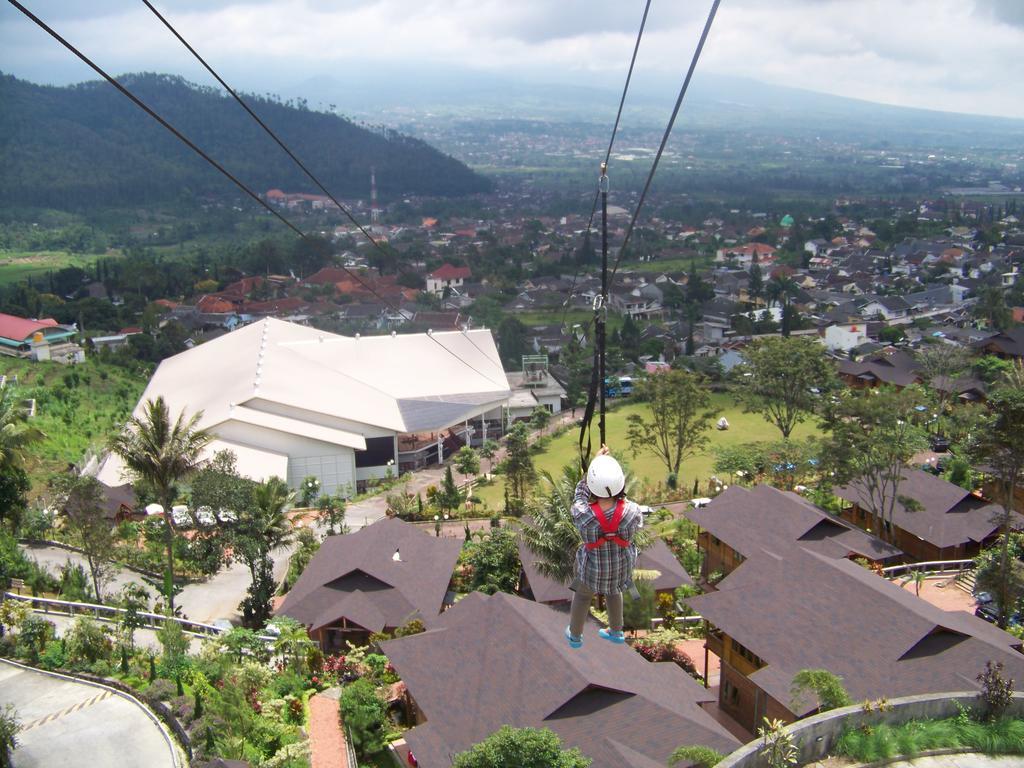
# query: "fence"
{"type": "Point", "coordinates": [113, 613]}
{"type": "Point", "coordinates": [936, 567]}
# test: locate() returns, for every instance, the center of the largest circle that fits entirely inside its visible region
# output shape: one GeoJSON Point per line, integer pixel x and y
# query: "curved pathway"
{"type": "Point", "coordinates": [72, 724]}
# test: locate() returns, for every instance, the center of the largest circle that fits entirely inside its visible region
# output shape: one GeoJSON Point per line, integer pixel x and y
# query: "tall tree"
{"type": "Point", "coordinates": [161, 454]}
{"type": "Point", "coordinates": [467, 461]}
{"type": "Point", "coordinates": [679, 416]}
{"type": "Point", "coordinates": [80, 498]}
{"type": "Point", "coordinates": [16, 435]}
{"type": "Point", "coordinates": [1000, 445]}
{"type": "Point", "coordinates": [259, 531]}
{"type": "Point", "coordinates": [518, 466]}
{"type": "Point", "coordinates": [940, 365]}
{"type": "Point", "coordinates": [873, 436]}
{"type": "Point", "coordinates": [755, 287]}
{"type": "Point", "coordinates": [487, 450]}
{"type": "Point", "coordinates": [786, 381]}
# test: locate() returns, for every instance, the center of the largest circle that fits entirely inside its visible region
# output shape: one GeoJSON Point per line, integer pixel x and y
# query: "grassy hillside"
{"type": "Point", "coordinates": [78, 408]}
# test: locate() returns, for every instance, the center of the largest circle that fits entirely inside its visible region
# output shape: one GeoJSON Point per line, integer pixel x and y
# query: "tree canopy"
{"type": "Point", "coordinates": [783, 379]}
{"type": "Point", "coordinates": [679, 416]}
{"type": "Point", "coordinates": [521, 748]}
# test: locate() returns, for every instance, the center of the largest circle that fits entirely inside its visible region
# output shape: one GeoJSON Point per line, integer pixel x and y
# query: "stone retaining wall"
{"type": "Point", "coordinates": [816, 736]}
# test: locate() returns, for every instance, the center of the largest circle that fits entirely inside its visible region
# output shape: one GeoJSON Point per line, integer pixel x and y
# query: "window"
{"type": "Point", "coordinates": [730, 693]}
{"type": "Point", "coordinates": [747, 654]}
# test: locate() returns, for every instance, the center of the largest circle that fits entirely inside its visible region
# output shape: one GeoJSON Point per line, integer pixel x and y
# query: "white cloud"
{"type": "Point", "coordinates": [940, 54]}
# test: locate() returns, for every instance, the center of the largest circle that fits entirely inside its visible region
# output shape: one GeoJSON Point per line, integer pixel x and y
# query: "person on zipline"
{"type": "Point", "coordinates": [607, 522]}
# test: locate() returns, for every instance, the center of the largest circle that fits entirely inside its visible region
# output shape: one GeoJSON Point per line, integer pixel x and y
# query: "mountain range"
{"type": "Point", "coordinates": [87, 145]}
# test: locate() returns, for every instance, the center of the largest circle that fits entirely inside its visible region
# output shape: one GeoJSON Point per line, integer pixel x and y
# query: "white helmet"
{"type": "Point", "coordinates": [605, 477]}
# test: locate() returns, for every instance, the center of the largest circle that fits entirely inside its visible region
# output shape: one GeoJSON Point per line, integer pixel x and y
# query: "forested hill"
{"type": "Point", "coordinates": [87, 145]}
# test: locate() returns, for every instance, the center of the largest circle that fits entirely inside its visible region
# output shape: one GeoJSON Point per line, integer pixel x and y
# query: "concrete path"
{"type": "Point", "coordinates": [54, 558]}
{"type": "Point", "coordinates": [218, 597]}
{"type": "Point", "coordinates": [371, 510]}
{"type": "Point", "coordinates": [74, 725]}
{"type": "Point", "coordinates": [962, 761]}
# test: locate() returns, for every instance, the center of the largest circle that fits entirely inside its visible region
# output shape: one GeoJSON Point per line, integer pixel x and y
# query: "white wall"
{"type": "Point", "coordinates": [280, 409]}
{"type": "Point", "coordinates": [334, 465]}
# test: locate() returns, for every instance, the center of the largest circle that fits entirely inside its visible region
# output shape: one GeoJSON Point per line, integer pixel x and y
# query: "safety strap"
{"type": "Point", "coordinates": [609, 526]}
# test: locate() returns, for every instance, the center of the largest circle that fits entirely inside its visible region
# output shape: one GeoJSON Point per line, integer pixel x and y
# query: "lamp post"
{"type": "Point", "coordinates": [158, 509]}
{"type": "Point", "coordinates": [437, 525]}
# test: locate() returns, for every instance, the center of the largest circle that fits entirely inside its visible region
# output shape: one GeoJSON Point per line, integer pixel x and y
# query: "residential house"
{"type": "Point", "coordinates": [374, 580]}
{"type": "Point", "coordinates": [447, 276]}
{"type": "Point", "coordinates": [887, 307]}
{"type": "Point", "coordinates": [787, 610]}
{"type": "Point", "coordinates": [892, 367]}
{"type": "Point", "coordinates": [946, 522]}
{"type": "Point", "coordinates": [740, 521]}
{"type": "Point", "coordinates": [1007, 344]}
{"type": "Point", "coordinates": [665, 572]}
{"type": "Point", "coordinates": [501, 660]}
{"type": "Point", "coordinates": [843, 338]}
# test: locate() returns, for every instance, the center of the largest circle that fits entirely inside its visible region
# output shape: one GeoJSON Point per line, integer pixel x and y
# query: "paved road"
{"type": "Point", "coordinates": [54, 558]}
{"type": "Point", "coordinates": [219, 596]}
{"type": "Point", "coordinates": [74, 725]}
{"type": "Point", "coordinates": [144, 638]}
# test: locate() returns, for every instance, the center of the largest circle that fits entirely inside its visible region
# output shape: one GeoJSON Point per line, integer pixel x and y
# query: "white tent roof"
{"type": "Point", "coordinates": [404, 382]}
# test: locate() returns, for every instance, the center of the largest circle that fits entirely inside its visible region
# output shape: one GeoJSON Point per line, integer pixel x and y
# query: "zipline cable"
{"type": "Point", "coordinates": [608, 153]}
{"type": "Point", "coordinates": [373, 241]}
{"type": "Point", "coordinates": [596, 399]}
{"type": "Point", "coordinates": [668, 132]}
{"type": "Point", "coordinates": [185, 140]}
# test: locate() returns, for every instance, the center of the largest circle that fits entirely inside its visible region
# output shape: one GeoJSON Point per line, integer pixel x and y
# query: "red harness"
{"type": "Point", "coordinates": [610, 527]}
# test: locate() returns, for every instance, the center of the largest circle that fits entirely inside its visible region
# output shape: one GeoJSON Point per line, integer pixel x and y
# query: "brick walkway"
{"type": "Point", "coordinates": [326, 739]}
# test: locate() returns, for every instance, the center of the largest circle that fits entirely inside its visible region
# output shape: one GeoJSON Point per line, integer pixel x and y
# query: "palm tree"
{"type": "Point", "coordinates": [549, 532]}
{"type": "Point", "coordinates": [161, 454]}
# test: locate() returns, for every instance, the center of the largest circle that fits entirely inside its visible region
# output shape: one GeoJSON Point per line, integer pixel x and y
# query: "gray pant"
{"type": "Point", "coordinates": [581, 606]}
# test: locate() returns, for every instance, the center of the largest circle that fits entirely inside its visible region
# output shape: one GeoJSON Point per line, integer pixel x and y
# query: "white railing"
{"type": "Point", "coordinates": [931, 566]}
{"type": "Point", "coordinates": [112, 613]}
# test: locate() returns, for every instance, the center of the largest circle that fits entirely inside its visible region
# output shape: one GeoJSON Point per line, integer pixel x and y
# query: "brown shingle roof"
{"type": "Point", "coordinates": [748, 519]}
{"type": "Point", "coordinates": [949, 516]}
{"type": "Point", "coordinates": [504, 660]}
{"type": "Point", "coordinates": [809, 611]}
{"type": "Point", "coordinates": [356, 576]}
{"type": "Point", "coordinates": [657, 557]}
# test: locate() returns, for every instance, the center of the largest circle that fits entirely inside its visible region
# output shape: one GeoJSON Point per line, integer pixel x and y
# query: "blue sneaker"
{"type": "Point", "coordinates": [574, 642]}
{"type": "Point", "coordinates": [613, 635]}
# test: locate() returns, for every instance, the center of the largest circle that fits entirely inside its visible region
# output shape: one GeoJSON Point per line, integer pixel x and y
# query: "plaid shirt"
{"type": "Point", "coordinates": [609, 568]}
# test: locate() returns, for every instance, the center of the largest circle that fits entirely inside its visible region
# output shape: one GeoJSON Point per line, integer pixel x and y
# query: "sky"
{"type": "Point", "coordinates": [950, 55]}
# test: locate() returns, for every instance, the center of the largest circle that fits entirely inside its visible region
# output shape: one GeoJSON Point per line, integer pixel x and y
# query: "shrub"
{"type": "Point", "coordinates": [86, 641]}
{"type": "Point", "coordinates": [287, 683]}
{"type": "Point", "coordinates": [53, 656]}
{"type": "Point", "coordinates": [161, 690]}
{"type": "Point", "coordinates": [101, 668]}
{"type": "Point", "coordinates": [364, 713]}
{"type": "Point", "coordinates": [777, 747]}
{"type": "Point", "coordinates": [705, 757]}
{"type": "Point", "coordinates": [828, 689]}
{"type": "Point", "coordinates": [33, 634]}
{"type": "Point", "coordinates": [9, 728]}
{"type": "Point", "coordinates": [996, 691]}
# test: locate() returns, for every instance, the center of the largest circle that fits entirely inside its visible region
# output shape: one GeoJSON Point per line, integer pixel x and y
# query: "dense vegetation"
{"type": "Point", "coordinates": [86, 146]}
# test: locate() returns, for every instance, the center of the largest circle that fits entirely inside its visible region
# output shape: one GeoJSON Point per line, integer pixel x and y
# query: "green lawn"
{"type": "Point", "coordinates": [19, 265]}
{"type": "Point", "coordinates": [743, 428]}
